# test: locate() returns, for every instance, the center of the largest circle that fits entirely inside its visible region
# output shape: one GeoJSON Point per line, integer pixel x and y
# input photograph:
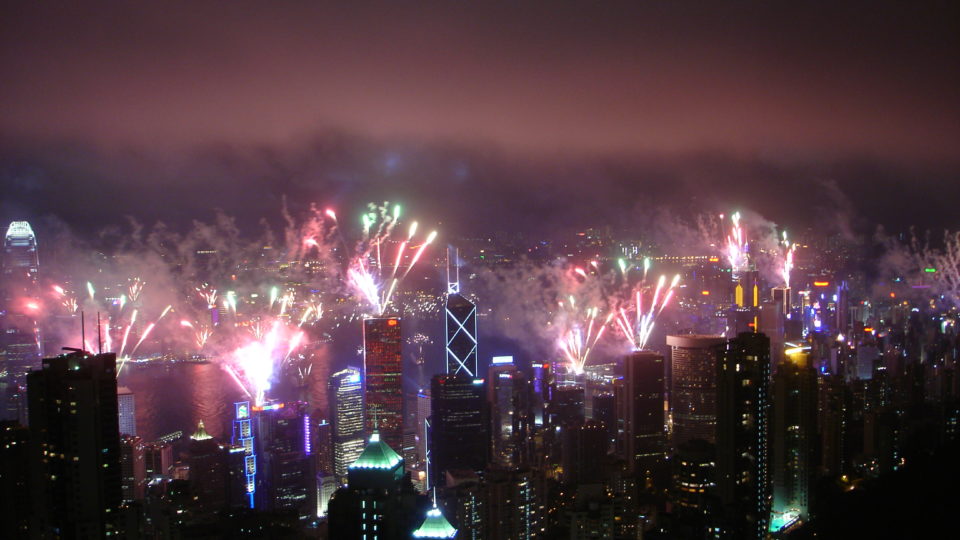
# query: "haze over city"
{"type": "Point", "coordinates": [538, 270]}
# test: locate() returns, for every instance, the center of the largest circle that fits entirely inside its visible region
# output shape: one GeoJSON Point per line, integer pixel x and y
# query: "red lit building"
{"type": "Point", "coordinates": [382, 378]}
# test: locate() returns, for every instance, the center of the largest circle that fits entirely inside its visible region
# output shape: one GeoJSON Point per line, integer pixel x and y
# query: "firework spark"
{"type": "Point", "coordinates": [737, 246]}
{"type": "Point", "coordinates": [366, 274]}
{"type": "Point", "coordinates": [636, 321]}
{"type": "Point", "coordinates": [788, 249]}
{"type": "Point", "coordinates": [584, 328]}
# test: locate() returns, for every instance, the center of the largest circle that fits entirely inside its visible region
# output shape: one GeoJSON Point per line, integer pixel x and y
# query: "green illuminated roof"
{"type": "Point", "coordinates": [377, 455]}
{"type": "Point", "coordinates": [201, 433]}
{"type": "Point", "coordinates": [435, 526]}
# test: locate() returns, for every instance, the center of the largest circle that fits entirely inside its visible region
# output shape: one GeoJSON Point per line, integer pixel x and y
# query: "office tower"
{"type": "Point", "coordinates": [461, 496]}
{"type": "Point", "coordinates": [208, 462]}
{"type": "Point", "coordinates": [794, 437]}
{"type": "Point", "coordinates": [582, 451]}
{"type": "Point", "coordinates": [127, 411]}
{"type": "Point", "coordinates": [643, 422]}
{"type": "Point", "coordinates": [435, 526]}
{"type": "Point", "coordinates": [76, 480]}
{"type": "Point", "coordinates": [747, 289]}
{"type": "Point", "coordinates": [286, 476]}
{"type": "Point", "coordinates": [345, 392]}
{"type": "Point", "coordinates": [132, 468]}
{"type": "Point", "coordinates": [423, 423]}
{"type": "Point", "coordinates": [14, 480]}
{"type": "Point", "coordinates": [513, 509]}
{"type": "Point", "coordinates": [461, 326]}
{"type": "Point", "coordinates": [244, 439]}
{"type": "Point", "coordinates": [694, 488]}
{"type": "Point", "coordinates": [693, 387]}
{"type": "Point", "coordinates": [378, 502]}
{"type": "Point", "coordinates": [566, 407]}
{"type": "Point", "coordinates": [605, 411]}
{"type": "Point", "coordinates": [508, 406]}
{"type": "Point", "coordinates": [743, 373]}
{"type": "Point", "coordinates": [781, 298]}
{"type": "Point", "coordinates": [327, 484]}
{"type": "Point", "coordinates": [323, 446]}
{"type": "Point", "coordinates": [383, 379]}
{"type": "Point", "coordinates": [458, 427]}
{"type": "Point", "coordinates": [20, 341]}
{"type": "Point", "coordinates": [542, 381]}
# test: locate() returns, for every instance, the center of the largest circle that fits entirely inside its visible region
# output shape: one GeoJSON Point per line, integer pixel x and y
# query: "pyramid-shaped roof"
{"type": "Point", "coordinates": [435, 526]}
{"type": "Point", "coordinates": [377, 455]}
{"type": "Point", "coordinates": [201, 433]}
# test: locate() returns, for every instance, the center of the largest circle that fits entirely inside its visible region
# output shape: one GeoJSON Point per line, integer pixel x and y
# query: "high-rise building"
{"type": "Point", "coordinates": [127, 411]}
{"type": "Point", "coordinates": [513, 509]}
{"type": "Point", "coordinates": [20, 342]}
{"type": "Point", "coordinates": [794, 437]}
{"type": "Point", "coordinates": [346, 414]}
{"type": "Point", "coordinates": [286, 475]}
{"type": "Point", "coordinates": [458, 430]}
{"type": "Point", "coordinates": [383, 379]}
{"type": "Point", "coordinates": [509, 419]}
{"type": "Point", "coordinates": [435, 526]}
{"type": "Point", "coordinates": [244, 441]}
{"type": "Point", "coordinates": [743, 487]}
{"type": "Point", "coordinates": [643, 414]}
{"type": "Point", "coordinates": [566, 405]}
{"type": "Point", "coordinates": [693, 387]}
{"type": "Point", "coordinates": [132, 468]}
{"type": "Point", "coordinates": [379, 501]}
{"type": "Point", "coordinates": [208, 461]}
{"type": "Point", "coordinates": [461, 326]}
{"type": "Point", "coordinates": [76, 480]}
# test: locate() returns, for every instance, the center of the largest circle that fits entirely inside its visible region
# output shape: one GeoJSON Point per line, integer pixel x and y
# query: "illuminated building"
{"type": "Point", "coordinates": [794, 435]}
{"type": "Point", "coordinates": [132, 468]}
{"type": "Point", "coordinates": [346, 412]}
{"type": "Point", "coordinates": [461, 327]}
{"type": "Point", "coordinates": [693, 387]}
{"type": "Point", "coordinates": [643, 415]}
{"type": "Point", "coordinates": [743, 373]}
{"type": "Point", "coordinates": [508, 405]}
{"type": "Point", "coordinates": [244, 439]}
{"type": "Point", "coordinates": [512, 508]}
{"type": "Point", "coordinates": [605, 411]}
{"type": "Point", "coordinates": [383, 379]}
{"type": "Point", "coordinates": [458, 431]}
{"type": "Point", "coordinates": [20, 348]}
{"type": "Point", "coordinates": [542, 381]}
{"type": "Point", "coordinates": [378, 502]}
{"type": "Point", "coordinates": [461, 496]}
{"type": "Point", "coordinates": [582, 450]}
{"type": "Point", "coordinates": [286, 476]}
{"type": "Point", "coordinates": [76, 446]}
{"type": "Point", "coordinates": [694, 488]}
{"type": "Point", "coordinates": [435, 526]}
{"type": "Point", "coordinates": [127, 411]}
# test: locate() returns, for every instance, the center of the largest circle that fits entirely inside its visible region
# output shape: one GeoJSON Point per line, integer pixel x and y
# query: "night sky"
{"type": "Point", "coordinates": [540, 115]}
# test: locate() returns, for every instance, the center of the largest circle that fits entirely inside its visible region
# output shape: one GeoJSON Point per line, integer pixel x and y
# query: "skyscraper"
{"type": "Point", "coordinates": [693, 387]}
{"type": "Point", "coordinates": [743, 373]}
{"type": "Point", "coordinates": [458, 431]}
{"type": "Point", "coordinates": [643, 421]}
{"type": "Point", "coordinates": [509, 419]}
{"type": "Point", "coordinates": [383, 379]}
{"type": "Point", "coordinates": [286, 475]}
{"type": "Point", "coordinates": [378, 502]}
{"type": "Point", "coordinates": [346, 414]}
{"type": "Point", "coordinates": [127, 411]}
{"type": "Point", "coordinates": [461, 323]}
{"type": "Point", "coordinates": [20, 348]}
{"type": "Point", "coordinates": [794, 436]}
{"type": "Point", "coordinates": [76, 483]}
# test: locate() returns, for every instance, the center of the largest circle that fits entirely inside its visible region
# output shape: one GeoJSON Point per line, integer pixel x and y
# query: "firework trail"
{"type": "Point", "coordinates": [788, 249]}
{"type": "Point", "coordinates": [366, 274]}
{"type": "Point", "coordinates": [253, 365]}
{"type": "Point", "coordinates": [736, 251]}
{"type": "Point", "coordinates": [201, 334]}
{"type": "Point", "coordinates": [208, 294]}
{"type": "Point", "coordinates": [636, 321]}
{"type": "Point", "coordinates": [584, 328]}
{"type": "Point", "coordinates": [135, 288]}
